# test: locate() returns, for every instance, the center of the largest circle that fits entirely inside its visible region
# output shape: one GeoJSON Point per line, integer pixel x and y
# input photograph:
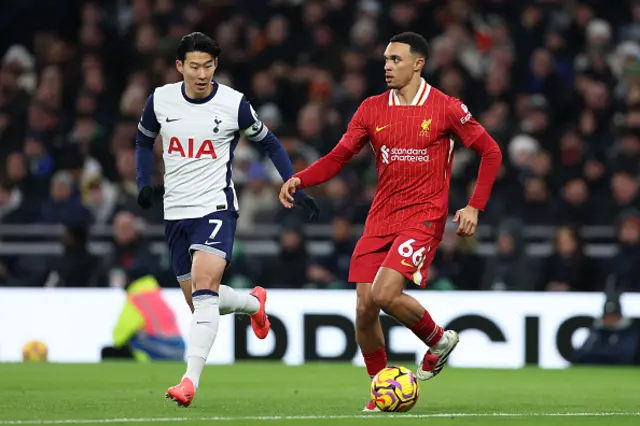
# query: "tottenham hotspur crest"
{"type": "Point", "coordinates": [217, 128]}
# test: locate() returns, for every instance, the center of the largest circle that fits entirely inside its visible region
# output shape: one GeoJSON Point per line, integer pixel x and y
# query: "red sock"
{"type": "Point", "coordinates": [375, 361]}
{"type": "Point", "coordinates": [427, 330]}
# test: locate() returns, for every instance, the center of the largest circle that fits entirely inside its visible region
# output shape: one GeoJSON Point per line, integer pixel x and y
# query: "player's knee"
{"type": "Point", "coordinates": [206, 279]}
{"type": "Point", "coordinates": [366, 315]}
{"type": "Point", "coordinates": [206, 271]}
{"type": "Point", "coordinates": [202, 279]}
{"type": "Point", "coordinates": [383, 297]}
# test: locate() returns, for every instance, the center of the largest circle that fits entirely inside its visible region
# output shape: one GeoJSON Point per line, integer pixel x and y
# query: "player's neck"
{"type": "Point", "coordinates": [407, 94]}
{"type": "Point", "coordinates": [191, 95]}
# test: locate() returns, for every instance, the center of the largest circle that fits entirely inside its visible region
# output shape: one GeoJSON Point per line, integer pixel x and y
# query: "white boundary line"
{"type": "Point", "coordinates": [310, 417]}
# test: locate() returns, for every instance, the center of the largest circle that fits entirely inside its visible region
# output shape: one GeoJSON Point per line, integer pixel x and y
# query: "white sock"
{"type": "Point", "coordinates": [203, 331]}
{"type": "Point", "coordinates": [232, 301]}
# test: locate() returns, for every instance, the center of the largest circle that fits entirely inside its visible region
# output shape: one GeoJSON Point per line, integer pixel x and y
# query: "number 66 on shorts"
{"type": "Point", "coordinates": [409, 252]}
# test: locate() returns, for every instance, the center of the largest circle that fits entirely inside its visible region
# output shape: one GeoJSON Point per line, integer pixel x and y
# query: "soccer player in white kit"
{"type": "Point", "coordinates": [200, 122]}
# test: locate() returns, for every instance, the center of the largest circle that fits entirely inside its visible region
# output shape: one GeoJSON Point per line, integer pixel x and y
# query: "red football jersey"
{"type": "Point", "coordinates": [414, 146]}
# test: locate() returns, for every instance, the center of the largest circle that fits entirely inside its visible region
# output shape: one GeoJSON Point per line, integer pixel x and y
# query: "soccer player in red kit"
{"type": "Point", "coordinates": [411, 129]}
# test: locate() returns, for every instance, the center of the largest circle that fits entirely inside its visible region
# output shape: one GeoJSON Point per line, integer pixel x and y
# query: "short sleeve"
{"type": "Point", "coordinates": [462, 123]}
{"type": "Point", "coordinates": [148, 124]}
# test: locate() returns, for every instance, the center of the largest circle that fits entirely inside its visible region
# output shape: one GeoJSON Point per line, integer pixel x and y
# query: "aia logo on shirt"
{"type": "Point", "coordinates": [192, 149]}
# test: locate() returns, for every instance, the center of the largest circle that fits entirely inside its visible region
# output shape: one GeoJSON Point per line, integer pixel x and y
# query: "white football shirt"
{"type": "Point", "coordinates": [198, 140]}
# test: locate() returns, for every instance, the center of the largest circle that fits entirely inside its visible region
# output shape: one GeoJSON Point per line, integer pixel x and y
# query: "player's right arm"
{"type": "Point", "coordinates": [327, 167]}
{"type": "Point", "coordinates": [148, 129]}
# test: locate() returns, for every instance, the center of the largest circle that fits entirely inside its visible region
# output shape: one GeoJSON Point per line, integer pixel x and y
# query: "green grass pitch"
{"type": "Point", "coordinates": [313, 394]}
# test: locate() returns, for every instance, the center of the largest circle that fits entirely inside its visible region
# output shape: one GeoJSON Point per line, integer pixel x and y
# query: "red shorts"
{"type": "Point", "coordinates": [409, 252]}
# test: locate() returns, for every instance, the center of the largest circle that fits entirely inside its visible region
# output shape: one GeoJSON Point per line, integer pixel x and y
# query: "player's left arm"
{"type": "Point", "coordinates": [473, 135]}
{"type": "Point", "coordinates": [255, 131]}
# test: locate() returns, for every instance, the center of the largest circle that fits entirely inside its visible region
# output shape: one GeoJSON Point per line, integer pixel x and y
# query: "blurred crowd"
{"type": "Point", "coordinates": [556, 83]}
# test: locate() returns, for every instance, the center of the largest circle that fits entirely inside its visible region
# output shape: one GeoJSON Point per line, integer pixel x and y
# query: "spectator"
{"type": "Point", "coordinates": [575, 206]}
{"type": "Point", "coordinates": [569, 268]}
{"type": "Point", "coordinates": [17, 173]}
{"type": "Point", "coordinates": [126, 190]}
{"type": "Point", "coordinates": [627, 153]}
{"type": "Point", "coordinates": [455, 266]}
{"type": "Point", "coordinates": [77, 267]}
{"type": "Point", "coordinates": [510, 268]}
{"type": "Point", "coordinates": [625, 268]}
{"type": "Point", "coordinates": [332, 271]}
{"type": "Point", "coordinates": [40, 162]}
{"type": "Point", "coordinates": [625, 194]}
{"type": "Point", "coordinates": [537, 207]}
{"type": "Point", "coordinates": [335, 200]}
{"type": "Point", "coordinates": [613, 339]}
{"type": "Point", "coordinates": [16, 77]}
{"type": "Point", "coordinates": [289, 269]}
{"type": "Point", "coordinates": [64, 204]}
{"type": "Point", "coordinates": [130, 248]}
{"type": "Point", "coordinates": [13, 206]}
{"type": "Point", "coordinates": [100, 197]}
{"type": "Point", "coordinates": [258, 199]}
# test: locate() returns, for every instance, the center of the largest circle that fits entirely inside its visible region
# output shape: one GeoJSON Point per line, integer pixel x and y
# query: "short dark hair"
{"type": "Point", "coordinates": [197, 42]}
{"type": "Point", "coordinates": [417, 43]}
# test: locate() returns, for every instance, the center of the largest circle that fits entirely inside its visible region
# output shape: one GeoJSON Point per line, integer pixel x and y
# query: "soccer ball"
{"type": "Point", "coordinates": [34, 351]}
{"type": "Point", "coordinates": [395, 389]}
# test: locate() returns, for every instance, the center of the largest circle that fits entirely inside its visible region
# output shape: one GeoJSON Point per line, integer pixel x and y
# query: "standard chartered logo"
{"type": "Point", "coordinates": [411, 155]}
{"type": "Point", "coordinates": [385, 154]}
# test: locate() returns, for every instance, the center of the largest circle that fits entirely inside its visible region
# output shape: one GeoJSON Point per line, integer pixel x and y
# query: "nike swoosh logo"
{"type": "Point", "coordinates": [404, 262]}
{"type": "Point", "coordinates": [171, 120]}
{"type": "Point", "coordinates": [378, 129]}
{"type": "Point", "coordinates": [210, 243]}
{"type": "Point", "coordinates": [203, 322]}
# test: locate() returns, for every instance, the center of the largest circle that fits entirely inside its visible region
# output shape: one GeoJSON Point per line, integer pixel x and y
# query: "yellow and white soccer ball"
{"type": "Point", "coordinates": [34, 350]}
{"type": "Point", "coordinates": [395, 389]}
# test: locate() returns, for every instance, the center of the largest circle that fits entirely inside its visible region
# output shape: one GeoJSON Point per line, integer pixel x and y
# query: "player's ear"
{"type": "Point", "coordinates": [179, 66]}
{"type": "Point", "coordinates": [419, 63]}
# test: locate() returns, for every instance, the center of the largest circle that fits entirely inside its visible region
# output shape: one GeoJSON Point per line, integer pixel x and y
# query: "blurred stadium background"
{"type": "Point", "coordinates": [557, 84]}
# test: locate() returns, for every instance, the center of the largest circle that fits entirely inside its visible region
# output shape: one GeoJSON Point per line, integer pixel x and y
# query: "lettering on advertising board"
{"type": "Point", "coordinates": [498, 330]}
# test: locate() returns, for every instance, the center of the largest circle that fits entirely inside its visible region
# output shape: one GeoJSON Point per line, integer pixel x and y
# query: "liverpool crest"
{"type": "Point", "coordinates": [426, 125]}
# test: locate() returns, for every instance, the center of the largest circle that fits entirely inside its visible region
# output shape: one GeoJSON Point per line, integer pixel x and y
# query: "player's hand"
{"type": "Point", "coordinates": [309, 203]}
{"type": "Point", "coordinates": [288, 189]}
{"type": "Point", "coordinates": [468, 218]}
{"type": "Point", "coordinates": [145, 197]}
